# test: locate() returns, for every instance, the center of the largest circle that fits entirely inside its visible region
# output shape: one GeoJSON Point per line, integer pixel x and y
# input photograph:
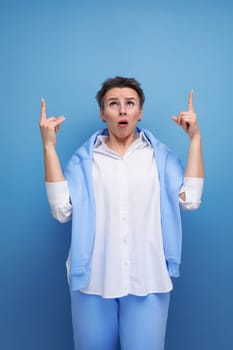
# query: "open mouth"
{"type": "Point", "coordinates": [123, 123]}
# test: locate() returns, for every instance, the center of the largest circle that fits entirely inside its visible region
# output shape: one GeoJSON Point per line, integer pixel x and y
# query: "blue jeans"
{"type": "Point", "coordinates": [138, 321]}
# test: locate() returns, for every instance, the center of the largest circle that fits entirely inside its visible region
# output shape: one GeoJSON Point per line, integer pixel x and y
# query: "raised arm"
{"type": "Point", "coordinates": [188, 121]}
{"type": "Point", "coordinates": [49, 128]}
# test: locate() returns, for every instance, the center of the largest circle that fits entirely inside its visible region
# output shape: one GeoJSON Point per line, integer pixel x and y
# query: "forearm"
{"type": "Point", "coordinates": [195, 166]}
{"type": "Point", "coordinates": [53, 170]}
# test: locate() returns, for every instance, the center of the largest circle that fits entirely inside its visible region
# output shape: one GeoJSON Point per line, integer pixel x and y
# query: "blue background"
{"type": "Point", "coordinates": [63, 51]}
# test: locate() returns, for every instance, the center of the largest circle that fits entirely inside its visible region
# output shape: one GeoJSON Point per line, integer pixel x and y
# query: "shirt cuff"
{"type": "Point", "coordinates": [193, 188]}
{"type": "Point", "coordinates": [57, 193]}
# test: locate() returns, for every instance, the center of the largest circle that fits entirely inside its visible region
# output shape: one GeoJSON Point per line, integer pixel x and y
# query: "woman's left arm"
{"type": "Point", "coordinates": [188, 121]}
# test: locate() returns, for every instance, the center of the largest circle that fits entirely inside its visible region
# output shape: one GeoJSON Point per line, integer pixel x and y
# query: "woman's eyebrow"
{"type": "Point", "coordinates": [116, 98]}
{"type": "Point", "coordinates": [112, 98]}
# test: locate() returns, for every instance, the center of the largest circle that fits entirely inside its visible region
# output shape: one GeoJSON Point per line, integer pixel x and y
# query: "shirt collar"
{"type": "Point", "coordinates": [140, 142]}
{"type": "Point", "coordinates": [140, 138]}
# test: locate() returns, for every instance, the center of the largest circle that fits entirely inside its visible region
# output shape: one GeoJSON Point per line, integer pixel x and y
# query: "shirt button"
{"type": "Point", "coordinates": [125, 240]}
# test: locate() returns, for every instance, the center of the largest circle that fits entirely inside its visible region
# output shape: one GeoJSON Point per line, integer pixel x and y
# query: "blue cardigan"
{"type": "Point", "coordinates": [78, 173]}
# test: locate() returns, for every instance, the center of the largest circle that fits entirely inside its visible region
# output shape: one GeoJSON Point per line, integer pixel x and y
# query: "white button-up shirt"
{"type": "Point", "coordinates": [128, 255]}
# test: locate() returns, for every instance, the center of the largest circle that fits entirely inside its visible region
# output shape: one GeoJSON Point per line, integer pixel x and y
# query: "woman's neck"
{"type": "Point", "coordinates": [120, 145]}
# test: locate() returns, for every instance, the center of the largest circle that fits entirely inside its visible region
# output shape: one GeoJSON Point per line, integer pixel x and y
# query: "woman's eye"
{"type": "Point", "coordinates": [113, 103]}
{"type": "Point", "coordinates": [130, 103]}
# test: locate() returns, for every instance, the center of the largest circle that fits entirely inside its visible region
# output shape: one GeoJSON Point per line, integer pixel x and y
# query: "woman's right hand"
{"type": "Point", "coordinates": [49, 126]}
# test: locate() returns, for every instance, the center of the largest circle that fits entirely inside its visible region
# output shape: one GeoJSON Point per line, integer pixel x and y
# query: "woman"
{"type": "Point", "coordinates": [123, 190]}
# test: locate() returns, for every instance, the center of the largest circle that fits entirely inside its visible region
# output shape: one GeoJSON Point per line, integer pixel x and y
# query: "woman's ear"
{"type": "Point", "coordinates": [102, 115]}
{"type": "Point", "coordinates": [140, 115]}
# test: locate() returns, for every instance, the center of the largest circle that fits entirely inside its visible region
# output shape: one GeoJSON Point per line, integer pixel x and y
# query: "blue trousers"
{"type": "Point", "coordinates": [138, 321]}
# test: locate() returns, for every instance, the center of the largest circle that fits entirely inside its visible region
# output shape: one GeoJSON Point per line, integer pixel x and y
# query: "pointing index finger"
{"type": "Point", "coordinates": [43, 110]}
{"type": "Point", "coordinates": [190, 101]}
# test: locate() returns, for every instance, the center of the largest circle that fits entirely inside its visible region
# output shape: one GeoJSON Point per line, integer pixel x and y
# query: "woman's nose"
{"type": "Point", "coordinates": [122, 109]}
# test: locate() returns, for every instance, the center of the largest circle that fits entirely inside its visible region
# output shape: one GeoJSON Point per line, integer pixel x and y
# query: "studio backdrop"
{"type": "Point", "coordinates": [63, 51]}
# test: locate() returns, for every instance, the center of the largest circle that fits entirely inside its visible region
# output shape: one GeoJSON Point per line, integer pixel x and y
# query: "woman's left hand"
{"type": "Point", "coordinates": [188, 120]}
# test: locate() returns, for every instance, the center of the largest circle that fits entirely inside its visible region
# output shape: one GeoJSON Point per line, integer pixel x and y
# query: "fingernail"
{"type": "Point", "coordinates": [42, 99]}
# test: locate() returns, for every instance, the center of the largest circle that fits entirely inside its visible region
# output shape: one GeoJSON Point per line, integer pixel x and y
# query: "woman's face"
{"type": "Point", "coordinates": [121, 111]}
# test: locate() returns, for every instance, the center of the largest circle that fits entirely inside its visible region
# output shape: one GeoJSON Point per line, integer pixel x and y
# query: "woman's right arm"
{"type": "Point", "coordinates": [56, 186]}
{"type": "Point", "coordinates": [49, 128]}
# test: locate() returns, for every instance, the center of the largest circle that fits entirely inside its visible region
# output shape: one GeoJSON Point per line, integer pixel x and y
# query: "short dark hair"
{"type": "Point", "coordinates": [119, 82]}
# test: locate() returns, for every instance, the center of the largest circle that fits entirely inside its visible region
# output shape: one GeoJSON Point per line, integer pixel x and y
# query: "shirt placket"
{"type": "Point", "coordinates": [124, 225]}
